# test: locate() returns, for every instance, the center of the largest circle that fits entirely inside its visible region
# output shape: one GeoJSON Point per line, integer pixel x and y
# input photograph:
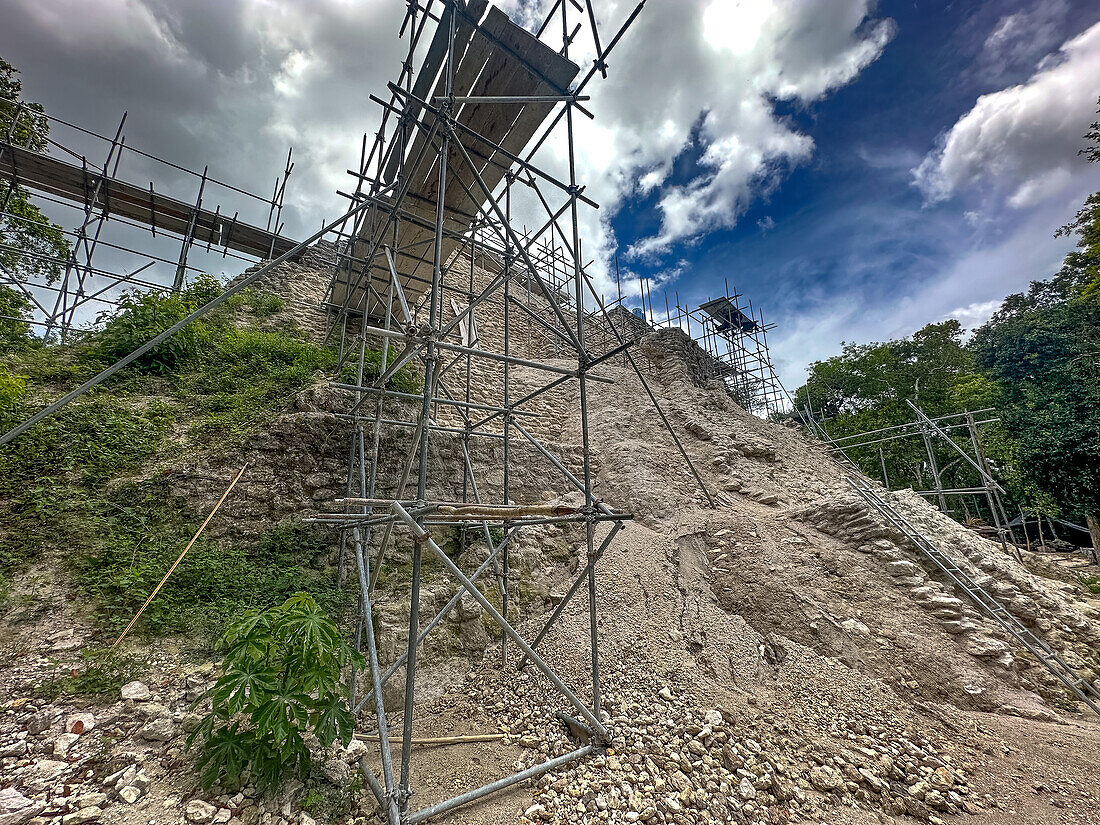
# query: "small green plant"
{"type": "Point", "coordinates": [265, 304]}
{"type": "Point", "coordinates": [1091, 583]}
{"type": "Point", "coordinates": [280, 678]}
{"type": "Point", "coordinates": [405, 379]}
{"type": "Point", "coordinates": [331, 803]}
{"type": "Point", "coordinates": [12, 389]}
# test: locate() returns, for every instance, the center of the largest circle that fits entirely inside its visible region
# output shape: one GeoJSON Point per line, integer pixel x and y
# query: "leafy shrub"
{"type": "Point", "coordinates": [405, 379]}
{"type": "Point", "coordinates": [143, 315]}
{"type": "Point", "coordinates": [12, 389]}
{"type": "Point", "coordinates": [15, 332]}
{"type": "Point", "coordinates": [245, 376]}
{"type": "Point", "coordinates": [51, 477]}
{"type": "Point", "coordinates": [141, 538]}
{"type": "Point", "coordinates": [280, 678]}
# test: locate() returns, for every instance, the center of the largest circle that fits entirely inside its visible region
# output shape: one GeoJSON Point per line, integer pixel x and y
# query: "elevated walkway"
{"type": "Point", "coordinates": [111, 196]}
{"type": "Point", "coordinates": [505, 83]}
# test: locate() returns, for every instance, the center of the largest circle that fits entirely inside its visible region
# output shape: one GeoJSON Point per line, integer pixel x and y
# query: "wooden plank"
{"type": "Point", "coordinates": [56, 177]}
{"type": "Point", "coordinates": [466, 74]}
{"type": "Point", "coordinates": [497, 122]}
{"type": "Point", "coordinates": [433, 63]}
{"type": "Point", "coordinates": [498, 59]}
{"type": "Point", "coordinates": [514, 135]}
{"type": "Point", "coordinates": [502, 75]}
{"type": "Point", "coordinates": [540, 59]}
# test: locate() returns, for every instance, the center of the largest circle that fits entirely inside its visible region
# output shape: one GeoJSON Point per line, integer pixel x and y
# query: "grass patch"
{"type": "Point", "coordinates": [263, 304]}
{"type": "Point", "coordinates": [100, 675]}
{"type": "Point", "coordinates": [50, 475]}
{"type": "Point", "coordinates": [1091, 583]}
{"type": "Point", "coordinates": [216, 581]}
{"type": "Point", "coordinates": [83, 485]}
{"type": "Point", "coordinates": [243, 379]}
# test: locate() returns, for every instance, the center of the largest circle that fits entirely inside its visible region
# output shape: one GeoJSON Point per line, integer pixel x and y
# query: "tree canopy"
{"type": "Point", "coordinates": [1042, 348]}
{"type": "Point", "coordinates": [866, 387]}
{"type": "Point", "coordinates": [32, 247]}
{"type": "Point", "coordinates": [1037, 361]}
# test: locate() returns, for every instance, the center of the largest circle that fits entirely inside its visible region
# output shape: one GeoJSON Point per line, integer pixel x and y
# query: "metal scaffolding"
{"type": "Point", "coordinates": [107, 210]}
{"type": "Point", "coordinates": [434, 247]}
{"type": "Point", "coordinates": [932, 431]}
{"type": "Point", "coordinates": [735, 335]}
{"type": "Point", "coordinates": [426, 246]}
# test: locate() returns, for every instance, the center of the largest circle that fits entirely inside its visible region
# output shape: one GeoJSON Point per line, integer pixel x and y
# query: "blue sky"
{"type": "Point", "coordinates": [847, 235]}
{"type": "Point", "coordinates": [856, 168]}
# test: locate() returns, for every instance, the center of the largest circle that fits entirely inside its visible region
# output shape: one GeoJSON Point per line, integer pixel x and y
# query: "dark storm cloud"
{"type": "Point", "coordinates": [232, 85]}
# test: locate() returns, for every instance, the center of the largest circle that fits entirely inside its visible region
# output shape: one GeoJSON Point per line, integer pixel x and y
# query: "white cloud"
{"type": "Point", "coordinates": [233, 84]}
{"type": "Point", "coordinates": [1022, 141]}
{"type": "Point", "coordinates": [973, 315]}
{"type": "Point", "coordinates": [1018, 39]}
{"type": "Point", "coordinates": [970, 287]}
{"type": "Point", "coordinates": [709, 72]}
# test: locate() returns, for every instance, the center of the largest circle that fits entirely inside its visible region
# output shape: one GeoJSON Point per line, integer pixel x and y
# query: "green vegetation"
{"type": "Point", "coordinates": [52, 480]}
{"type": "Point", "coordinates": [1037, 361]}
{"type": "Point", "coordinates": [243, 378]}
{"type": "Point", "coordinates": [405, 379]}
{"type": "Point", "coordinates": [217, 579]}
{"type": "Point", "coordinates": [280, 678]}
{"type": "Point", "coordinates": [25, 229]}
{"type": "Point", "coordinates": [142, 315]}
{"type": "Point", "coordinates": [86, 484]}
{"type": "Point", "coordinates": [329, 803]}
{"type": "Point", "coordinates": [1043, 349]}
{"type": "Point", "coordinates": [866, 387]}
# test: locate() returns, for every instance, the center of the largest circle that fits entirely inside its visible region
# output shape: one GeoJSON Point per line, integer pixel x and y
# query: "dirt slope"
{"type": "Point", "coordinates": [780, 657]}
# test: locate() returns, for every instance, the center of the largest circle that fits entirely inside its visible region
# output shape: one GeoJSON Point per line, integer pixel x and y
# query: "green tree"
{"type": "Point", "coordinates": [866, 387]}
{"type": "Point", "coordinates": [141, 316]}
{"type": "Point", "coordinates": [15, 329]}
{"type": "Point", "coordinates": [280, 678]}
{"type": "Point", "coordinates": [32, 247]}
{"type": "Point", "coordinates": [1043, 348]}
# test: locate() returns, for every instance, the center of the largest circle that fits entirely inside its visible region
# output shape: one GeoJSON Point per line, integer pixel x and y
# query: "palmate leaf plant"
{"type": "Point", "coordinates": [280, 681]}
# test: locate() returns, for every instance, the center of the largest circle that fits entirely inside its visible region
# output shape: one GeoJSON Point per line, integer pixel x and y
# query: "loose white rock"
{"type": "Point", "coordinates": [138, 691]}
{"type": "Point", "coordinates": [199, 811]}
{"type": "Point", "coordinates": [16, 808]}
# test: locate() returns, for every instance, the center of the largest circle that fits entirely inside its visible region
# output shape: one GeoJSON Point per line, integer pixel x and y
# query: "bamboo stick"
{"type": "Point", "coordinates": [440, 740]}
{"type": "Point", "coordinates": [171, 569]}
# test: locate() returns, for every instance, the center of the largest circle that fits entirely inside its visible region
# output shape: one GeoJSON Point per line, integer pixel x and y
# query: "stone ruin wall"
{"type": "Point", "coordinates": [301, 461]}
